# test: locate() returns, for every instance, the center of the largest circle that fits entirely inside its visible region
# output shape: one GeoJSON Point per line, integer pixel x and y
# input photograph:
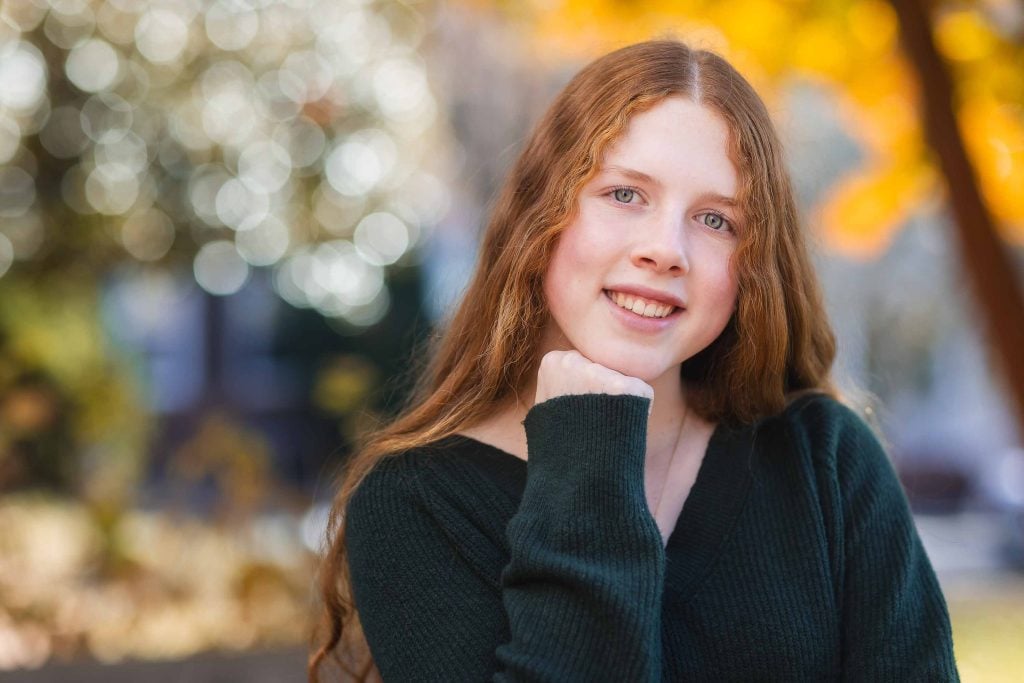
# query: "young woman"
{"type": "Point", "coordinates": [627, 460]}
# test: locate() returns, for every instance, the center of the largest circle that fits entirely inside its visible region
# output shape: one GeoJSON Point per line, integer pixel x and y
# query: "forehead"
{"type": "Point", "coordinates": [677, 140]}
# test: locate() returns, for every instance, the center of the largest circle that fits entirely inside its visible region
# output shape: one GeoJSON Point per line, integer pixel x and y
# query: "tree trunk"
{"type": "Point", "coordinates": [985, 258]}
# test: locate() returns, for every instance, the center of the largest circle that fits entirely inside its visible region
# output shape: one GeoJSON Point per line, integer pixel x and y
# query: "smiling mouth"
{"type": "Point", "coordinates": [641, 306]}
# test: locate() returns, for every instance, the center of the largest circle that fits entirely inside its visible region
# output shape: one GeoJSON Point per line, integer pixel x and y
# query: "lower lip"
{"type": "Point", "coordinates": [638, 322]}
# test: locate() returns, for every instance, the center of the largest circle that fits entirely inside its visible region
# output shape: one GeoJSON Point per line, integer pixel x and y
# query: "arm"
{"type": "Point", "coordinates": [580, 597]}
{"type": "Point", "coordinates": [583, 588]}
{"type": "Point", "coordinates": [895, 623]}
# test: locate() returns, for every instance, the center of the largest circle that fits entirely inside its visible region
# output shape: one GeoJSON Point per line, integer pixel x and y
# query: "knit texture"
{"type": "Point", "coordinates": [795, 557]}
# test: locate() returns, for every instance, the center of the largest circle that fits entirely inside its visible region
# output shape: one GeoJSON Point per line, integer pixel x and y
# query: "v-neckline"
{"type": "Point", "coordinates": [711, 508]}
{"type": "Point", "coordinates": [709, 512]}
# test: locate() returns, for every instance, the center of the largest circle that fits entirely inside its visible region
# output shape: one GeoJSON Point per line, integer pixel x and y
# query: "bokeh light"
{"type": "Point", "coordinates": [187, 142]}
{"type": "Point", "coordinates": [161, 35]}
{"type": "Point", "coordinates": [148, 235]}
{"type": "Point", "coordinates": [93, 65]}
{"type": "Point", "coordinates": [10, 138]}
{"type": "Point", "coordinates": [262, 242]}
{"type": "Point", "coordinates": [231, 24]}
{"type": "Point", "coordinates": [6, 254]}
{"type": "Point", "coordinates": [381, 238]}
{"type": "Point", "coordinates": [23, 78]}
{"type": "Point", "coordinates": [219, 269]}
{"type": "Point", "coordinates": [362, 161]}
{"type": "Point", "coordinates": [69, 23]}
{"type": "Point", "coordinates": [286, 123]}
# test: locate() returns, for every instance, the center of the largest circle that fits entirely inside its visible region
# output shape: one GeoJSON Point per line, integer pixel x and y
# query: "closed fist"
{"type": "Point", "coordinates": [565, 373]}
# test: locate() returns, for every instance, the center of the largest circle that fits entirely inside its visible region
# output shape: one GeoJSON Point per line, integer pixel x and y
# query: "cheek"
{"type": "Point", "coordinates": [730, 283]}
{"type": "Point", "coordinates": [724, 283]}
{"type": "Point", "coordinates": [559, 276]}
{"type": "Point", "coordinates": [572, 260]}
{"type": "Point", "coordinates": [594, 237]}
{"type": "Point", "coordinates": [572, 247]}
{"type": "Point", "coordinates": [558, 267]}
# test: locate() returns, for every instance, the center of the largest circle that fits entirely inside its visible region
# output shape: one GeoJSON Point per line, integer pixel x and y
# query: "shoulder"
{"type": "Point", "coordinates": [399, 475]}
{"type": "Point", "coordinates": [830, 431]}
{"type": "Point", "coordinates": [389, 503]}
{"type": "Point", "coordinates": [839, 440]}
{"type": "Point", "coordinates": [388, 490]}
{"type": "Point", "coordinates": [433, 477]}
{"type": "Point", "coordinates": [429, 500]}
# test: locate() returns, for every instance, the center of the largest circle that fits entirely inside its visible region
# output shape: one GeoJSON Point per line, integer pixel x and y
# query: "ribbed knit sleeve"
{"type": "Point", "coordinates": [895, 621]}
{"type": "Point", "coordinates": [584, 585]}
{"type": "Point", "coordinates": [579, 598]}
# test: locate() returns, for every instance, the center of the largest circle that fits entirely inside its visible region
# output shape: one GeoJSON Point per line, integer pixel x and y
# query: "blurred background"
{"type": "Point", "coordinates": [226, 226]}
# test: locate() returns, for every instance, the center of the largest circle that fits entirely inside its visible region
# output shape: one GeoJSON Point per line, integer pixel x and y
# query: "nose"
{"type": "Point", "coordinates": [662, 246]}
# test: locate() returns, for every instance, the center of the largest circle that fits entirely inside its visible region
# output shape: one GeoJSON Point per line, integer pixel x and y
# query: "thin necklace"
{"type": "Point", "coordinates": [668, 470]}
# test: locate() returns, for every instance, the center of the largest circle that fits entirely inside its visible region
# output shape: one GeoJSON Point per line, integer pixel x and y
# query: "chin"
{"type": "Point", "coordinates": [645, 369]}
{"type": "Point", "coordinates": [649, 375]}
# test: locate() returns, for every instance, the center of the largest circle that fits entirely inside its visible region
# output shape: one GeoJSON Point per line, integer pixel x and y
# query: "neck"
{"type": "Point", "coordinates": [667, 414]}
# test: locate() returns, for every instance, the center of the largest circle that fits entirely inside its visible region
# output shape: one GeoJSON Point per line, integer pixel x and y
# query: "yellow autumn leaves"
{"type": "Point", "coordinates": [851, 47]}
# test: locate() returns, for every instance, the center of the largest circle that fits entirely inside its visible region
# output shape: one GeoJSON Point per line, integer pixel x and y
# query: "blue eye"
{"type": "Point", "coordinates": [714, 220]}
{"type": "Point", "coordinates": [623, 194]}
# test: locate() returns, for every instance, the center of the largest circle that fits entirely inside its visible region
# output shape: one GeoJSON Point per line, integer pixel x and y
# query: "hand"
{"type": "Point", "coordinates": [563, 373]}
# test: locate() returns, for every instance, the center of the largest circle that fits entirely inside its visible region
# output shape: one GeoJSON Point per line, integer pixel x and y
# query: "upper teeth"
{"type": "Point", "coordinates": [641, 306]}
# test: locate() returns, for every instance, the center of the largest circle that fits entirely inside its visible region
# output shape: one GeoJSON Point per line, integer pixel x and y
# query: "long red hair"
{"type": "Point", "coordinates": [778, 343]}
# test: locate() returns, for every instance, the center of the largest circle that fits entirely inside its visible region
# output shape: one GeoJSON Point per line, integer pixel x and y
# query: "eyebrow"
{"type": "Point", "coordinates": [633, 174]}
{"type": "Point", "coordinates": [642, 177]}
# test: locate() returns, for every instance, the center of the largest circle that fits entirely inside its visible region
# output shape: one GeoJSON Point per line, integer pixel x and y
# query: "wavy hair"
{"type": "Point", "coordinates": [777, 345]}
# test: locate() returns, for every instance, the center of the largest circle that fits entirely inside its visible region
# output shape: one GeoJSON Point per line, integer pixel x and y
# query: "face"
{"type": "Point", "coordinates": [642, 278]}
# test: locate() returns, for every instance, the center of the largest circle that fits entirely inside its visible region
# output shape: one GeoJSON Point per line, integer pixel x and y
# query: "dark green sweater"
{"type": "Point", "coordinates": [795, 557]}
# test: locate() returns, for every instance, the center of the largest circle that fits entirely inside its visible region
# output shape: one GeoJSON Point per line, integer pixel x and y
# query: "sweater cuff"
{"type": "Point", "coordinates": [588, 439]}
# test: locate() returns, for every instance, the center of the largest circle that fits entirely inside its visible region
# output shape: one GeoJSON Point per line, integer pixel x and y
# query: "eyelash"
{"type": "Point", "coordinates": [636, 191]}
